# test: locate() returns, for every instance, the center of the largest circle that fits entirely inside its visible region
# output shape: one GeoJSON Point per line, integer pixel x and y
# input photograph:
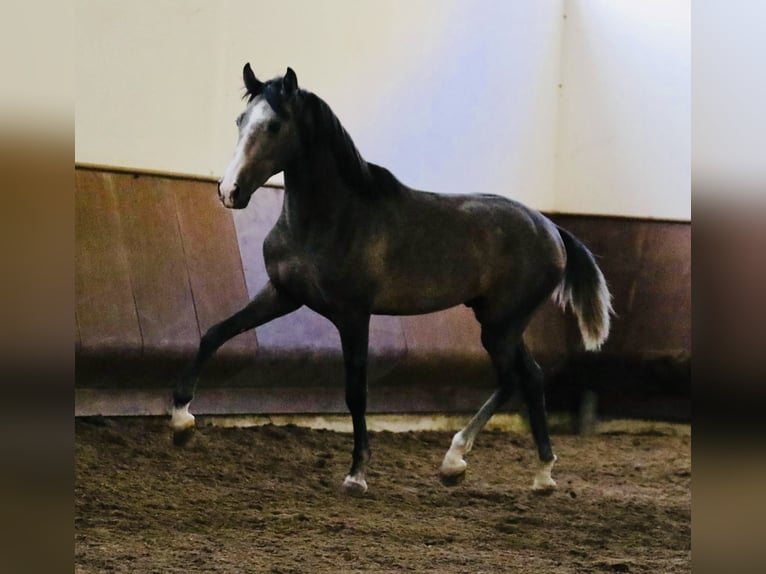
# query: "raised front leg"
{"type": "Point", "coordinates": [268, 304]}
{"type": "Point", "coordinates": [354, 337]}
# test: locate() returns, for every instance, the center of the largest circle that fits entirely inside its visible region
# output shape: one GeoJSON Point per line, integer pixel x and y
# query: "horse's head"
{"type": "Point", "coordinates": [268, 138]}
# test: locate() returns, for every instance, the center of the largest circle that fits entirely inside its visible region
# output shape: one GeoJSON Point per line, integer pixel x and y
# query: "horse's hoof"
{"type": "Point", "coordinates": [543, 482]}
{"type": "Point", "coordinates": [180, 417]}
{"type": "Point", "coordinates": [452, 479]}
{"type": "Point", "coordinates": [182, 423]}
{"type": "Point", "coordinates": [182, 437]}
{"type": "Point", "coordinates": [452, 471]}
{"type": "Point", "coordinates": [355, 486]}
{"type": "Point", "coordinates": [543, 488]}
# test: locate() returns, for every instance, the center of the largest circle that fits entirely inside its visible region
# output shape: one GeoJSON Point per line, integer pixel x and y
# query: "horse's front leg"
{"type": "Point", "coordinates": [354, 335]}
{"type": "Point", "coordinates": [268, 304]}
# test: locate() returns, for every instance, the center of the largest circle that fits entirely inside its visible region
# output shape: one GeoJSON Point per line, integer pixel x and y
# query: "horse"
{"type": "Point", "coordinates": [352, 241]}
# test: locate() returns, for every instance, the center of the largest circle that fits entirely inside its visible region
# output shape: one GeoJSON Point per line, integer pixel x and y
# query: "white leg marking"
{"type": "Point", "coordinates": [543, 481]}
{"type": "Point", "coordinates": [453, 463]}
{"type": "Point", "coordinates": [355, 484]}
{"type": "Point", "coordinates": [181, 419]}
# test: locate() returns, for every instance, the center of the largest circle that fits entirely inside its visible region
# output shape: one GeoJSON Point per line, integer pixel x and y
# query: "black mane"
{"type": "Point", "coordinates": [363, 177]}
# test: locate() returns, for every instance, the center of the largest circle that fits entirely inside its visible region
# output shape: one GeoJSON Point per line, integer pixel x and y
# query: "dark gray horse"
{"type": "Point", "coordinates": [352, 241]}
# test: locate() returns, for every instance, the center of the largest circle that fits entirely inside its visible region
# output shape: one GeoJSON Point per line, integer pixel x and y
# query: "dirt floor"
{"type": "Point", "coordinates": [268, 499]}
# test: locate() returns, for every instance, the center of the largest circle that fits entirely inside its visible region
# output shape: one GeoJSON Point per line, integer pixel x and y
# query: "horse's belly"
{"type": "Point", "coordinates": [414, 305]}
{"type": "Point", "coordinates": [414, 294]}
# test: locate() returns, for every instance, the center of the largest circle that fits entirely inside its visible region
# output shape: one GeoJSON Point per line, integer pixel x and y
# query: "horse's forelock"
{"type": "Point", "coordinates": [273, 93]}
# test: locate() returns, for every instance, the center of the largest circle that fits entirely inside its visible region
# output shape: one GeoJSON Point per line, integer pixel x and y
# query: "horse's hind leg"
{"type": "Point", "coordinates": [268, 304]}
{"type": "Point", "coordinates": [453, 466]}
{"type": "Point", "coordinates": [514, 365]}
{"type": "Point", "coordinates": [500, 341]}
{"type": "Point", "coordinates": [532, 391]}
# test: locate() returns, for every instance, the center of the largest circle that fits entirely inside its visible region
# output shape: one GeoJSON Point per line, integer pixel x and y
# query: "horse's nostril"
{"type": "Point", "coordinates": [235, 192]}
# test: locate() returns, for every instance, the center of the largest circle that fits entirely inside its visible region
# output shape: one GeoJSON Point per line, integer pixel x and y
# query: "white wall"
{"type": "Point", "coordinates": [450, 95]}
{"type": "Point", "coordinates": [146, 84]}
{"type": "Point", "coordinates": [625, 117]}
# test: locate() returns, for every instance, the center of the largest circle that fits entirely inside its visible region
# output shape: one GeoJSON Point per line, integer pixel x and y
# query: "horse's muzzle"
{"type": "Point", "coordinates": [231, 198]}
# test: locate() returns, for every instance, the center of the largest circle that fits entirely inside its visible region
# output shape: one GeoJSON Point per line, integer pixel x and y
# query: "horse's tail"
{"type": "Point", "coordinates": [584, 289]}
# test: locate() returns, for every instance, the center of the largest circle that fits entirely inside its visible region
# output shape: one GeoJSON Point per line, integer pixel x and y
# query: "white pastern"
{"type": "Point", "coordinates": [453, 463]}
{"type": "Point", "coordinates": [181, 418]}
{"type": "Point", "coordinates": [355, 484]}
{"type": "Point", "coordinates": [543, 481]}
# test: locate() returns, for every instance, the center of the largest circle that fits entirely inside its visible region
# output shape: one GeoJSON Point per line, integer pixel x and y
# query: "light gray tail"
{"type": "Point", "coordinates": [584, 289]}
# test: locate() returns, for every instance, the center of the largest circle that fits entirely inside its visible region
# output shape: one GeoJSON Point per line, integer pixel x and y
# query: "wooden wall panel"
{"type": "Point", "coordinates": [159, 278]}
{"type": "Point", "coordinates": [647, 265]}
{"type": "Point", "coordinates": [159, 261]}
{"type": "Point", "coordinates": [550, 331]}
{"type": "Point", "coordinates": [104, 305]}
{"type": "Point", "coordinates": [659, 318]}
{"type": "Point", "coordinates": [451, 332]}
{"type": "Point", "coordinates": [212, 259]}
{"type": "Point", "coordinates": [617, 246]}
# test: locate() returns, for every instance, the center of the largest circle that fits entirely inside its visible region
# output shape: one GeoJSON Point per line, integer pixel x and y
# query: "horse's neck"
{"type": "Point", "coordinates": [315, 194]}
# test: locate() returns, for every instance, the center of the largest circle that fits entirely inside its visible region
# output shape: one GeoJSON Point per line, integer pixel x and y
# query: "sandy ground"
{"type": "Point", "coordinates": [268, 499]}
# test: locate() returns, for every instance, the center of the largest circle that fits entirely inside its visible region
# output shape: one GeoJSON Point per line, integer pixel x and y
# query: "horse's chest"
{"type": "Point", "coordinates": [294, 272]}
{"type": "Point", "coordinates": [317, 280]}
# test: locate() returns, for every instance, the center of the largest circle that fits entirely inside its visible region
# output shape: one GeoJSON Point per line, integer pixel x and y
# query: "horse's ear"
{"type": "Point", "coordinates": [290, 82]}
{"type": "Point", "coordinates": [252, 84]}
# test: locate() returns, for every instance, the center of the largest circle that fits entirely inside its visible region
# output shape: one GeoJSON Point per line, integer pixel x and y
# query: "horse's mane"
{"type": "Point", "coordinates": [324, 128]}
{"type": "Point", "coordinates": [363, 177]}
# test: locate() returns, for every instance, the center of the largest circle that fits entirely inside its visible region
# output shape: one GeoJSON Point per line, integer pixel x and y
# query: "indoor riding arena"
{"type": "Point", "coordinates": [552, 105]}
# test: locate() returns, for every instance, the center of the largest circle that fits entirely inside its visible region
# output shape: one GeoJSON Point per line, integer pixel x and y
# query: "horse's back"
{"type": "Point", "coordinates": [435, 251]}
{"type": "Point", "coordinates": [498, 229]}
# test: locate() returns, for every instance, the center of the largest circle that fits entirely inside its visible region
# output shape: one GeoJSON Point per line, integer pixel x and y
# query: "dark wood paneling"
{"type": "Point", "coordinates": [453, 332]}
{"type": "Point", "coordinates": [212, 259]}
{"type": "Point", "coordinates": [659, 316]}
{"type": "Point", "coordinates": [159, 278]}
{"type": "Point", "coordinates": [162, 256]}
{"type": "Point", "coordinates": [104, 305]}
{"type": "Point", "coordinates": [550, 331]}
{"type": "Point", "coordinates": [647, 265]}
{"type": "Point", "coordinates": [252, 225]}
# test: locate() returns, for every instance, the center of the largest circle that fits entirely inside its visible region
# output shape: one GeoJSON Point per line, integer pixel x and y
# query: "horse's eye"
{"type": "Point", "coordinates": [238, 121]}
{"type": "Point", "coordinates": [273, 127]}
